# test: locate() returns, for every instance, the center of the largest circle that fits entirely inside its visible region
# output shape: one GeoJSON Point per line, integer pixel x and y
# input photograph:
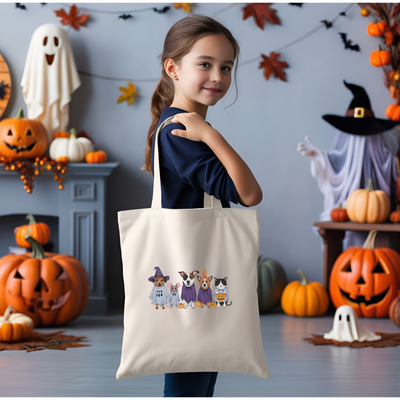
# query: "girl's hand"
{"type": "Point", "coordinates": [196, 127]}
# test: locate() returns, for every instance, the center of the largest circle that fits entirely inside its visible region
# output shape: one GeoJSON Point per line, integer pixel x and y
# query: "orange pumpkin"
{"type": "Point", "coordinates": [379, 58]}
{"type": "Point", "coordinates": [364, 12]}
{"type": "Point", "coordinates": [95, 157]}
{"type": "Point", "coordinates": [368, 205]}
{"type": "Point", "coordinates": [393, 112]}
{"type": "Point", "coordinates": [181, 305]}
{"type": "Point", "coordinates": [377, 28]}
{"type": "Point", "coordinates": [213, 304]}
{"type": "Point", "coordinates": [52, 289]}
{"type": "Point", "coordinates": [61, 134]}
{"type": "Point", "coordinates": [395, 215]}
{"type": "Point", "coordinates": [339, 214]}
{"type": "Point", "coordinates": [15, 327]}
{"type": "Point", "coordinates": [198, 303]}
{"type": "Point", "coordinates": [366, 278]}
{"type": "Point", "coordinates": [38, 230]}
{"type": "Point", "coordinates": [304, 299]}
{"type": "Point", "coordinates": [22, 137]}
{"type": "Point", "coordinates": [389, 36]}
{"type": "Point", "coordinates": [220, 296]}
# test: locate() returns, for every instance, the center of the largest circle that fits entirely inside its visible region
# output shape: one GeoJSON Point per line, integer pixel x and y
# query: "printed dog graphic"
{"type": "Point", "coordinates": [188, 289]}
{"type": "Point", "coordinates": [159, 294]}
{"type": "Point", "coordinates": [205, 294]}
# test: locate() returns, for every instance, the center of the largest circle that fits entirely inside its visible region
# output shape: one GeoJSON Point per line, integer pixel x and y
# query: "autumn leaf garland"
{"type": "Point", "coordinates": [72, 18]}
{"type": "Point", "coordinates": [259, 11]}
{"type": "Point", "coordinates": [271, 65]}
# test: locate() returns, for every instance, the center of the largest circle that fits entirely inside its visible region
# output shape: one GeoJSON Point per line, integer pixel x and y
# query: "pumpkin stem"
{"type": "Point", "coordinates": [31, 219]}
{"type": "Point", "coordinates": [7, 314]}
{"type": "Point", "coordinates": [20, 113]}
{"type": "Point", "coordinates": [379, 47]}
{"type": "Point", "coordinates": [37, 249]}
{"type": "Point", "coordinates": [370, 188]}
{"type": "Point", "coordinates": [370, 240]}
{"type": "Point", "coordinates": [304, 281]}
{"type": "Point", "coordinates": [73, 132]}
{"type": "Point", "coordinates": [340, 205]}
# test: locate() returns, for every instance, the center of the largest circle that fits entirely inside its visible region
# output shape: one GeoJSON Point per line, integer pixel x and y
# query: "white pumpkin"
{"type": "Point", "coordinates": [74, 148]}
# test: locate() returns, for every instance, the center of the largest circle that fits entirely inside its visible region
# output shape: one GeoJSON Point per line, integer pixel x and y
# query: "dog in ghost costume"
{"type": "Point", "coordinates": [50, 77]}
{"type": "Point", "coordinates": [159, 295]}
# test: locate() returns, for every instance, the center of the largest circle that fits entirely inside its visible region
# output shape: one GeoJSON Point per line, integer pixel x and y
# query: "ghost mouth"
{"type": "Point", "coordinates": [361, 299]}
{"type": "Point", "coordinates": [18, 149]}
{"type": "Point", "coordinates": [37, 304]}
{"type": "Point", "coordinates": [50, 58]}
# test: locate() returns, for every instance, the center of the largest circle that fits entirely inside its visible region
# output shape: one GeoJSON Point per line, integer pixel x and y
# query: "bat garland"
{"type": "Point", "coordinates": [348, 43]}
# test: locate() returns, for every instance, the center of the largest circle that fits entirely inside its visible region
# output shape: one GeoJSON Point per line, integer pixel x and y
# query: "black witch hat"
{"type": "Point", "coordinates": [359, 118]}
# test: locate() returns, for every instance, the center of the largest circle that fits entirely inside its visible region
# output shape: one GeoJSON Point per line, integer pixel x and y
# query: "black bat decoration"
{"type": "Point", "coordinates": [327, 24]}
{"type": "Point", "coordinates": [125, 16]}
{"type": "Point", "coordinates": [3, 88]}
{"type": "Point", "coordinates": [296, 4]}
{"type": "Point", "coordinates": [348, 44]}
{"type": "Point", "coordinates": [161, 10]}
{"type": "Point", "coordinates": [21, 6]}
{"type": "Point", "coordinates": [343, 14]}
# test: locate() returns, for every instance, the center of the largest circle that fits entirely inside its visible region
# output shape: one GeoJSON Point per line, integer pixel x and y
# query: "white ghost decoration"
{"type": "Point", "coordinates": [347, 327]}
{"type": "Point", "coordinates": [49, 78]}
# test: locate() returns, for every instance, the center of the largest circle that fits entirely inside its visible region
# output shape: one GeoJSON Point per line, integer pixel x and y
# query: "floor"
{"type": "Point", "coordinates": [298, 369]}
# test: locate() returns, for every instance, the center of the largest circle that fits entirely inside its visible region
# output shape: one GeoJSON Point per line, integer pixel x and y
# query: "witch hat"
{"type": "Point", "coordinates": [359, 118]}
{"type": "Point", "coordinates": [158, 274]}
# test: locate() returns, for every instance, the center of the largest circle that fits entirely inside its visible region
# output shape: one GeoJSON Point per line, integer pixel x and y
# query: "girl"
{"type": "Point", "coordinates": [197, 60]}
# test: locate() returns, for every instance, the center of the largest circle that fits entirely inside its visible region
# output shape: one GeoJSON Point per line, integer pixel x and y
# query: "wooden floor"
{"type": "Point", "coordinates": [298, 369]}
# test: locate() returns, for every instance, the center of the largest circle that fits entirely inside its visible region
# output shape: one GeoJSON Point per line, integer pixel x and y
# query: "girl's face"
{"type": "Point", "coordinates": [203, 75]}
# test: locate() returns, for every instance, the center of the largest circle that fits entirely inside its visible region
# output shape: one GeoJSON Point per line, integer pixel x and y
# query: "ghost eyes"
{"type": "Point", "coordinates": [348, 317]}
{"type": "Point", "coordinates": [55, 41]}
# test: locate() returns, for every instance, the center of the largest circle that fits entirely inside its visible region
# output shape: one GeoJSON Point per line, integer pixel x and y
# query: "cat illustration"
{"type": "Point", "coordinates": [221, 295]}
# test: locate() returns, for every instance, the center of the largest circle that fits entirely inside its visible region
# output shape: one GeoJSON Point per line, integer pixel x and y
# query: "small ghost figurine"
{"type": "Point", "coordinates": [49, 78]}
{"type": "Point", "coordinates": [348, 328]}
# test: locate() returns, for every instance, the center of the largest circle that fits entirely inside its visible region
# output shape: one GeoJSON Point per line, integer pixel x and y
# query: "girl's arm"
{"type": "Point", "coordinates": [247, 187]}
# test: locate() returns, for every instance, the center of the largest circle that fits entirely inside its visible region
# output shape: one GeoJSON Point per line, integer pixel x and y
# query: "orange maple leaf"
{"type": "Point", "coordinates": [272, 65]}
{"type": "Point", "coordinates": [185, 6]}
{"type": "Point", "coordinates": [72, 18]}
{"type": "Point", "coordinates": [260, 11]}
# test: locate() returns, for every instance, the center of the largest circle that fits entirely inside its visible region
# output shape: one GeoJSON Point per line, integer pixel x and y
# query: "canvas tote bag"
{"type": "Point", "coordinates": [190, 328]}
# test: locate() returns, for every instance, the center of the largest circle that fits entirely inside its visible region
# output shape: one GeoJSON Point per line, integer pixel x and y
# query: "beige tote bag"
{"type": "Point", "coordinates": [190, 279]}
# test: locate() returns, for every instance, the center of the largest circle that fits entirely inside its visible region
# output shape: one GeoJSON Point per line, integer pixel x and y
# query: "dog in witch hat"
{"type": "Point", "coordinates": [205, 294]}
{"type": "Point", "coordinates": [159, 295]}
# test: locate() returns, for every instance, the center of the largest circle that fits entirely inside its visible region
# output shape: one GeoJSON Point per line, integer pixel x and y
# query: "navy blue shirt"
{"type": "Point", "coordinates": [189, 168]}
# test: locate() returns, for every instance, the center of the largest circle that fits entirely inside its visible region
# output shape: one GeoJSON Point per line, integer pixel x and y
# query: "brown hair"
{"type": "Point", "coordinates": [178, 42]}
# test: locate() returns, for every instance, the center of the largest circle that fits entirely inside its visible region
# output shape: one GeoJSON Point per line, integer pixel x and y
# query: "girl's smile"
{"type": "Point", "coordinates": [203, 75]}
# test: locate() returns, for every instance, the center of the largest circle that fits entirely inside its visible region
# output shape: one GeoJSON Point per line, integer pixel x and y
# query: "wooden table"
{"type": "Point", "coordinates": [333, 233]}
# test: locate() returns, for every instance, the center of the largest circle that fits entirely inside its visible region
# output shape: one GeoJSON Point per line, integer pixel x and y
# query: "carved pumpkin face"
{"type": "Point", "coordinates": [22, 137]}
{"type": "Point", "coordinates": [220, 296]}
{"type": "Point", "coordinates": [366, 279]}
{"type": "Point", "coordinates": [213, 304]}
{"type": "Point", "coordinates": [52, 290]}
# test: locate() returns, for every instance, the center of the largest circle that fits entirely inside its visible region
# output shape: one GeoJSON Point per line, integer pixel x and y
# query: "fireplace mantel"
{"type": "Point", "coordinates": [80, 209]}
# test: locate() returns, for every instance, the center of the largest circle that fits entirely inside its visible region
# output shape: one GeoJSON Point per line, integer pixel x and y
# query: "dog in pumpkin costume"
{"type": "Point", "coordinates": [204, 294]}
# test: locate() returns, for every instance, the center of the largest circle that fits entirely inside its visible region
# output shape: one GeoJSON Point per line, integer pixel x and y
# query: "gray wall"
{"type": "Point", "coordinates": [264, 125]}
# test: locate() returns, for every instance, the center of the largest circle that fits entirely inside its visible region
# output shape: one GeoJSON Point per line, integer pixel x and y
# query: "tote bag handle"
{"type": "Point", "coordinates": [209, 201]}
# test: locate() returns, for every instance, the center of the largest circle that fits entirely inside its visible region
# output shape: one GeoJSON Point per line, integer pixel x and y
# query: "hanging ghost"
{"type": "Point", "coordinates": [49, 78]}
{"type": "Point", "coordinates": [347, 327]}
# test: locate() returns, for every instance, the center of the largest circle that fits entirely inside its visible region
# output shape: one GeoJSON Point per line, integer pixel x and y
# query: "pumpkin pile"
{"type": "Point", "coordinates": [386, 27]}
{"type": "Point", "coordinates": [51, 289]}
{"type": "Point", "coordinates": [366, 278]}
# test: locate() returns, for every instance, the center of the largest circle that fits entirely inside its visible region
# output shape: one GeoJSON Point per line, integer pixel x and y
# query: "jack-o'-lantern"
{"type": "Point", "coordinates": [213, 304]}
{"type": "Point", "coordinates": [52, 289]}
{"type": "Point", "coordinates": [220, 296]}
{"type": "Point", "coordinates": [366, 278]}
{"type": "Point", "coordinates": [198, 303]}
{"type": "Point", "coordinates": [22, 137]}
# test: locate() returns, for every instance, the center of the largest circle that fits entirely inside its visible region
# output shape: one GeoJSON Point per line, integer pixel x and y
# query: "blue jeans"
{"type": "Point", "coordinates": [190, 384]}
